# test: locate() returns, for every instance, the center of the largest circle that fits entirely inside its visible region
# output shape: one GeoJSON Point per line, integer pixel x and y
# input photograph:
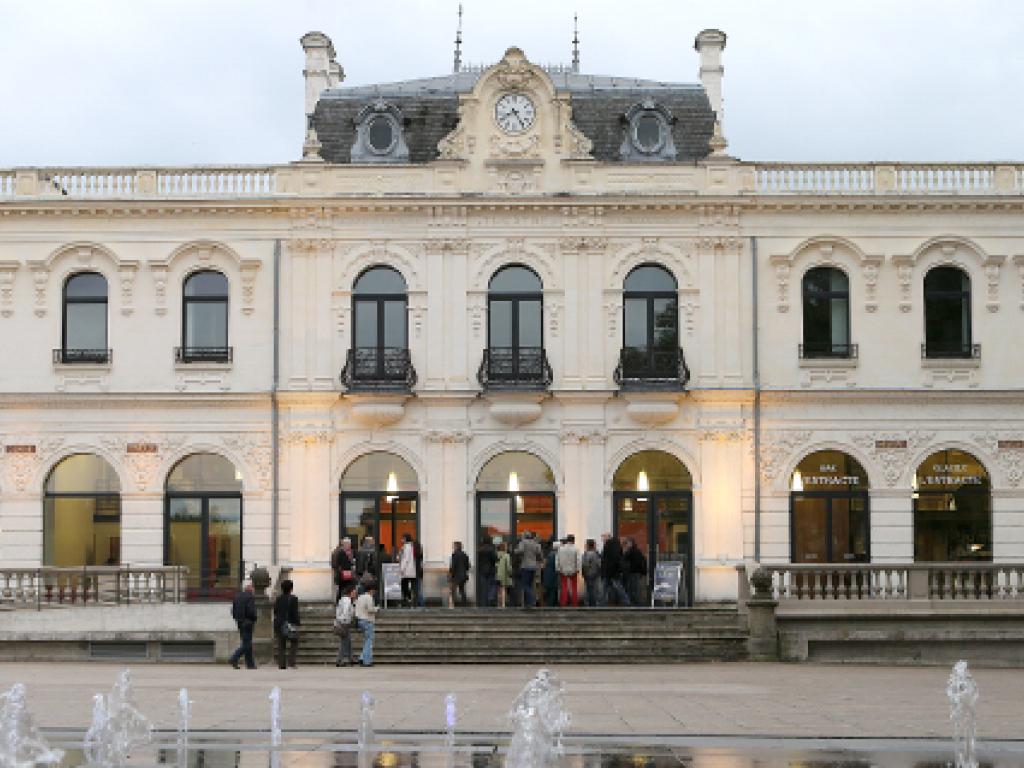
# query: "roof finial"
{"type": "Point", "coordinates": [575, 43]}
{"type": "Point", "coordinates": [458, 43]}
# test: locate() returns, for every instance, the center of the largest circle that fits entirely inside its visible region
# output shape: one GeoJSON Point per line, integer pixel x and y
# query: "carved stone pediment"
{"type": "Point", "coordinates": [375, 411]}
{"type": "Point", "coordinates": [515, 410]}
{"type": "Point", "coordinates": [652, 409]}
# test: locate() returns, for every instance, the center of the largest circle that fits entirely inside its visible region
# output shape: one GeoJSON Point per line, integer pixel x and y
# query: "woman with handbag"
{"type": "Point", "coordinates": [344, 617]}
{"type": "Point", "coordinates": [343, 563]}
{"type": "Point", "coordinates": [286, 624]}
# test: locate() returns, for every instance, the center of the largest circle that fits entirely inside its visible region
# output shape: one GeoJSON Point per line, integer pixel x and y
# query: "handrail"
{"type": "Point", "coordinates": [52, 586]}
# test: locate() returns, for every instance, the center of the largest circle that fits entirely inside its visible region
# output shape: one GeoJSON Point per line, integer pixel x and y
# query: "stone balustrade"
{"type": "Point", "coordinates": [763, 179]}
{"type": "Point", "coordinates": [896, 582]}
{"type": "Point", "coordinates": [91, 585]}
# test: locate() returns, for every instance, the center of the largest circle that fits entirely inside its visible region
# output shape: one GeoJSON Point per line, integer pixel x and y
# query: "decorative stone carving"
{"type": "Point", "coordinates": [905, 275]}
{"type": "Point", "coordinates": [40, 277]}
{"type": "Point", "coordinates": [827, 375]}
{"type": "Point", "coordinates": [159, 273]}
{"type": "Point", "coordinates": [308, 433]}
{"type": "Point", "coordinates": [142, 467]}
{"type": "Point", "coordinates": [892, 450]}
{"type": "Point", "coordinates": [1008, 450]}
{"type": "Point", "coordinates": [21, 467]}
{"type": "Point", "coordinates": [943, 374]}
{"type": "Point", "coordinates": [723, 434]}
{"type": "Point", "coordinates": [1019, 261]}
{"type": "Point", "coordinates": [476, 307]}
{"type": "Point", "coordinates": [516, 412]}
{"type": "Point", "coordinates": [126, 271]}
{"type": "Point", "coordinates": [378, 412]}
{"type": "Point", "coordinates": [254, 448]}
{"type": "Point", "coordinates": [553, 310]}
{"type": "Point", "coordinates": [689, 304]}
{"type": "Point", "coordinates": [248, 272]}
{"type": "Point", "coordinates": [777, 449]}
{"type": "Point", "coordinates": [613, 311]}
{"type": "Point", "coordinates": [651, 411]}
{"type": "Point", "coordinates": [870, 269]}
{"type": "Point", "coordinates": [453, 436]}
{"type": "Point", "coordinates": [7, 270]}
{"type": "Point", "coordinates": [782, 271]}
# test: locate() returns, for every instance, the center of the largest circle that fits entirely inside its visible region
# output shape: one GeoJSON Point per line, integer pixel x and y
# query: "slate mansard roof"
{"type": "Point", "coordinates": [429, 108]}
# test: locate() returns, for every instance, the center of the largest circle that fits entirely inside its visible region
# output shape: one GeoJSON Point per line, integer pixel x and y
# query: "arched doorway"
{"type": "Point", "coordinates": [653, 505]}
{"type": "Point", "coordinates": [82, 513]}
{"type": "Point", "coordinates": [952, 509]}
{"type": "Point", "coordinates": [379, 498]}
{"type": "Point", "coordinates": [828, 510]}
{"type": "Point", "coordinates": [203, 525]}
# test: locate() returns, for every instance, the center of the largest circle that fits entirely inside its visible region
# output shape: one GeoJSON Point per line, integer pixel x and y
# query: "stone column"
{"type": "Point", "coordinates": [763, 641]}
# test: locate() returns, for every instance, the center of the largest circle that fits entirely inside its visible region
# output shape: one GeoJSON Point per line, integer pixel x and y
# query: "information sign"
{"type": "Point", "coordinates": [668, 582]}
{"type": "Point", "coordinates": [391, 575]}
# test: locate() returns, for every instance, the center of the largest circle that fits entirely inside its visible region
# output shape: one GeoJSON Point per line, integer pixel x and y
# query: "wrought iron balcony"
{"type": "Point", "coordinates": [370, 369]}
{"type": "Point", "coordinates": [651, 368]}
{"type": "Point", "coordinates": [83, 356]}
{"type": "Point", "coordinates": [940, 350]}
{"type": "Point", "coordinates": [203, 354]}
{"type": "Point", "coordinates": [815, 350]}
{"type": "Point", "coordinates": [514, 368]}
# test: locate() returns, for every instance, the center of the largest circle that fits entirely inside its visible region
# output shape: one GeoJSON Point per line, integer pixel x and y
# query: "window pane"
{"type": "Point", "coordinates": [948, 279]}
{"type": "Point", "coordinates": [840, 317]}
{"type": "Point", "coordinates": [809, 544]}
{"type": "Point", "coordinates": [531, 474]}
{"type": "Point", "coordinates": [405, 519]}
{"type": "Point", "coordinates": [500, 320]}
{"type": "Point", "coordinates": [381, 134]}
{"type": "Point", "coordinates": [358, 520]}
{"type": "Point", "coordinates": [631, 513]}
{"type": "Point", "coordinates": [207, 284]}
{"type": "Point", "coordinates": [366, 324]}
{"type": "Point", "coordinates": [394, 324]}
{"type": "Point", "coordinates": [371, 471]}
{"type": "Point", "coordinates": [817, 322]}
{"type": "Point", "coordinates": [380, 280]}
{"type": "Point", "coordinates": [650, 278]}
{"type": "Point", "coordinates": [946, 324]}
{"type": "Point", "coordinates": [204, 472]}
{"type": "Point", "coordinates": [224, 543]}
{"type": "Point", "coordinates": [515, 279]}
{"type": "Point", "coordinates": [535, 513]}
{"type": "Point", "coordinates": [636, 323]}
{"type": "Point", "coordinates": [648, 132]}
{"type": "Point", "coordinates": [86, 285]}
{"type": "Point", "coordinates": [86, 326]}
{"type": "Point", "coordinates": [664, 472]}
{"type": "Point", "coordinates": [83, 473]}
{"type": "Point", "coordinates": [673, 527]}
{"type": "Point", "coordinates": [206, 324]}
{"type": "Point", "coordinates": [530, 331]}
{"type": "Point", "coordinates": [665, 324]}
{"type": "Point", "coordinates": [494, 521]}
{"type": "Point", "coordinates": [81, 531]}
{"type": "Point", "coordinates": [185, 537]}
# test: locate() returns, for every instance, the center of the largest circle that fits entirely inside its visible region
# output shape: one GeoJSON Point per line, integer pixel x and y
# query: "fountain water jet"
{"type": "Point", "coordinates": [21, 745]}
{"type": "Point", "coordinates": [275, 716]}
{"type": "Point", "coordinates": [963, 699]}
{"type": "Point", "coordinates": [184, 715]}
{"type": "Point", "coordinates": [539, 719]}
{"type": "Point", "coordinates": [118, 726]}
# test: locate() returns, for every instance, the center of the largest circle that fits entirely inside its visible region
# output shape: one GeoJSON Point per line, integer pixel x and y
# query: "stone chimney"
{"type": "Point", "coordinates": [709, 44]}
{"type": "Point", "coordinates": [321, 70]}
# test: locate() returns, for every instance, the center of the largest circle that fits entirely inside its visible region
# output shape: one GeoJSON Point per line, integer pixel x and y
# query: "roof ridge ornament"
{"type": "Point", "coordinates": [458, 44]}
{"type": "Point", "coordinates": [575, 43]}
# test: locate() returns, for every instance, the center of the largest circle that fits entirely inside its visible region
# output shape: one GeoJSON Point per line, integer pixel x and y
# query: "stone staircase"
{"type": "Point", "coordinates": [542, 635]}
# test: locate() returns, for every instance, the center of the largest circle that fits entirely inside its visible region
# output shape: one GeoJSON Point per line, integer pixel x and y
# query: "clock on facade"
{"type": "Point", "coordinates": [514, 112]}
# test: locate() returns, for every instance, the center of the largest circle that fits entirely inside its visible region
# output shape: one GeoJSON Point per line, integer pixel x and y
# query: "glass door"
{"type": "Point", "coordinates": [204, 533]}
{"type": "Point", "coordinates": [660, 524]}
{"type": "Point", "coordinates": [385, 517]}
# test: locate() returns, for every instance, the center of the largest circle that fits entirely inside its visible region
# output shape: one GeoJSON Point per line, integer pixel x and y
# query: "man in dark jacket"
{"type": "Point", "coordinates": [486, 572]}
{"type": "Point", "coordinates": [286, 624]}
{"type": "Point", "coordinates": [611, 571]}
{"type": "Point", "coordinates": [343, 566]}
{"type": "Point", "coordinates": [243, 611]}
{"type": "Point", "coordinates": [367, 566]}
{"type": "Point", "coordinates": [634, 569]}
{"type": "Point", "coordinates": [458, 572]}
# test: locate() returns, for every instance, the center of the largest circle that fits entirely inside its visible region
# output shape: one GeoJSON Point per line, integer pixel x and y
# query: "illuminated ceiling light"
{"type": "Point", "coordinates": [513, 482]}
{"type": "Point", "coordinates": [976, 547]}
{"type": "Point", "coordinates": [392, 483]}
{"type": "Point", "coordinates": [642, 484]}
{"type": "Point", "coordinates": [628, 505]}
{"type": "Point", "coordinates": [952, 504]}
{"type": "Point", "coordinates": [798, 482]}
{"type": "Point", "coordinates": [238, 475]}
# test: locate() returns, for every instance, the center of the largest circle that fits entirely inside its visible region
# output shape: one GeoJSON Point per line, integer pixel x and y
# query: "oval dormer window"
{"type": "Point", "coordinates": [647, 133]}
{"type": "Point", "coordinates": [381, 134]}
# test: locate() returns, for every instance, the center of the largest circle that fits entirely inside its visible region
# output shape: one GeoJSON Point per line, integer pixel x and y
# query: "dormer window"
{"type": "Point", "coordinates": [648, 133]}
{"type": "Point", "coordinates": [379, 136]}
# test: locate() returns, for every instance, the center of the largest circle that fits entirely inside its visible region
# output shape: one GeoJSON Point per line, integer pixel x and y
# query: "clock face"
{"type": "Point", "coordinates": [514, 112]}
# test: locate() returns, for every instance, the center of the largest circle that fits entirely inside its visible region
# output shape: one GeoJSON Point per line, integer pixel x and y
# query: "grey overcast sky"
{"type": "Point", "coordinates": [108, 82]}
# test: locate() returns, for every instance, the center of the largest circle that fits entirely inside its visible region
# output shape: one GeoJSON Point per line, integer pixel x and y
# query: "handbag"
{"type": "Point", "coordinates": [345, 574]}
{"type": "Point", "coordinates": [341, 628]}
{"type": "Point", "coordinates": [289, 631]}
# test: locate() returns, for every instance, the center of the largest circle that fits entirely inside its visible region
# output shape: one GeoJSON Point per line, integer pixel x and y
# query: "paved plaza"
{"type": "Point", "coordinates": [678, 700]}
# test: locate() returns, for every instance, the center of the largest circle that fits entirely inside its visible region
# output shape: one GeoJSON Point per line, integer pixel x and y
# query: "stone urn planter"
{"type": "Point", "coordinates": [260, 580]}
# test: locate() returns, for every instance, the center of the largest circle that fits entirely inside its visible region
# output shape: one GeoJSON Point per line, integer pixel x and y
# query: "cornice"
{"type": "Point", "coordinates": [132, 400]}
{"type": "Point", "coordinates": [894, 396]}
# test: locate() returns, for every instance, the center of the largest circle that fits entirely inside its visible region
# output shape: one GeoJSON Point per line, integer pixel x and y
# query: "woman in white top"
{"type": "Point", "coordinates": [407, 569]}
{"type": "Point", "coordinates": [343, 615]}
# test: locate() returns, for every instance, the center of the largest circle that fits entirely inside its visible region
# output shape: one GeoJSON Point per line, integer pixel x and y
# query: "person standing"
{"type": "Point", "coordinates": [591, 569]}
{"type": "Point", "coordinates": [407, 570]}
{"type": "Point", "coordinates": [343, 615]}
{"type": "Point", "coordinates": [417, 551]}
{"type": "Point", "coordinates": [531, 559]}
{"type": "Point", "coordinates": [286, 624]}
{"type": "Point", "coordinates": [243, 611]}
{"type": "Point", "coordinates": [458, 572]}
{"type": "Point", "coordinates": [366, 562]}
{"type": "Point", "coordinates": [503, 574]}
{"type": "Point", "coordinates": [568, 564]}
{"type": "Point", "coordinates": [343, 565]}
{"type": "Point", "coordinates": [366, 615]}
{"type": "Point", "coordinates": [549, 577]}
{"type": "Point", "coordinates": [611, 571]}
{"type": "Point", "coordinates": [635, 563]}
{"type": "Point", "coordinates": [486, 574]}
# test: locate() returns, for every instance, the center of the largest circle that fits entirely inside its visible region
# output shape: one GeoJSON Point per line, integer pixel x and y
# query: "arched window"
{"type": "Point", "coordinates": [379, 357]}
{"type": "Point", "coordinates": [515, 331]}
{"type": "Point", "coordinates": [82, 513]}
{"type": "Point", "coordinates": [947, 313]}
{"type": "Point", "coordinates": [653, 508]}
{"type": "Point", "coordinates": [826, 304]}
{"type": "Point", "coordinates": [952, 509]}
{"type": "Point", "coordinates": [84, 330]}
{"type": "Point", "coordinates": [828, 504]}
{"type": "Point", "coordinates": [650, 351]}
{"type": "Point", "coordinates": [203, 527]}
{"type": "Point", "coordinates": [204, 319]}
{"type": "Point", "coordinates": [379, 498]}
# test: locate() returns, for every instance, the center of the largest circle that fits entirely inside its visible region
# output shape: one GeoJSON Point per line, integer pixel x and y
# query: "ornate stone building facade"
{"type": "Point", "coordinates": [511, 299]}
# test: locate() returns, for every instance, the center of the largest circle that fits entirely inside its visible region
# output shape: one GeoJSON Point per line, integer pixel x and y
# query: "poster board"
{"type": "Point", "coordinates": [391, 576]}
{"type": "Point", "coordinates": [668, 584]}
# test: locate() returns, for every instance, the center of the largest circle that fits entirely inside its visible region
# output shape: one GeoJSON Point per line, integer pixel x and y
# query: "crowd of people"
{"type": "Point", "coordinates": [528, 574]}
